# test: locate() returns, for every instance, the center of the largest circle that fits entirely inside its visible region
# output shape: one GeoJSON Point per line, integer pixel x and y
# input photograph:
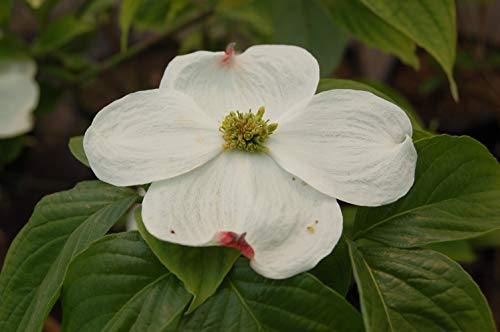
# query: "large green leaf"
{"type": "Point", "coordinates": [76, 148]}
{"type": "Point", "coordinates": [201, 269]}
{"type": "Point", "coordinates": [460, 251]}
{"type": "Point", "coordinates": [417, 290]}
{"type": "Point", "coordinates": [307, 23]}
{"type": "Point", "coordinates": [118, 284]}
{"type": "Point", "coordinates": [430, 23]}
{"type": "Point", "coordinates": [249, 302]}
{"type": "Point", "coordinates": [356, 18]}
{"type": "Point", "coordinates": [332, 83]}
{"type": "Point", "coordinates": [61, 226]}
{"type": "Point", "coordinates": [58, 33]}
{"type": "Point", "coordinates": [456, 195]}
{"type": "Point", "coordinates": [335, 269]}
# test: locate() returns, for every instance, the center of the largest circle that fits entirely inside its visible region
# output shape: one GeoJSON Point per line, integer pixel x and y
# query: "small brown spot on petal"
{"type": "Point", "coordinates": [310, 229]}
{"type": "Point", "coordinates": [172, 231]}
{"type": "Point", "coordinates": [293, 178]}
{"type": "Point", "coordinates": [316, 222]}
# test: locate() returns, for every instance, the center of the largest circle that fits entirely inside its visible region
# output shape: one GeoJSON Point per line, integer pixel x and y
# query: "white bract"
{"type": "Point", "coordinates": [18, 95]}
{"type": "Point", "coordinates": [278, 205]}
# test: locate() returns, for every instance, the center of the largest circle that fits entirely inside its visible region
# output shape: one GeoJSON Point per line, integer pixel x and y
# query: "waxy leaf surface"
{"type": "Point", "coordinates": [118, 284]}
{"type": "Point", "coordinates": [429, 23]}
{"type": "Point", "coordinates": [61, 226]}
{"type": "Point", "coordinates": [202, 269]}
{"type": "Point", "coordinates": [456, 195]}
{"type": "Point", "coordinates": [417, 290]}
{"type": "Point", "coordinates": [249, 302]}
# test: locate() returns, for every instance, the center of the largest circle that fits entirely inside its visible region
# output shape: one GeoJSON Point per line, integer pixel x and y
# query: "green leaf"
{"type": "Point", "coordinates": [201, 269]}
{"type": "Point", "coordinates": [456, 195]}
{"type": "Point", "coordinates": [128, 10]}
{"type": "Point", "coordinates": [417, 290]}
{"type": "Point", "coordinates": [58, 33]}
{"type": "Point", "coordinates": [249, 302]}
{"type": "Point", "coordinates": [61, 226]}
{"type": "Point", "coordinates": [76, 147]}
{"type": "Point", "coordinates": [332, 83]}
{"type": "Point", "coordinates": [460, 251]}
{"type": "Point", "coordinates": [353, 16]}
{"type": "Point", "coordinates": [489, 240]}
{"type": "Point", "coordinates": [307, 23]}
{"type": "Point", "coordinates": [419, 134]}
{"type": "Point", "coordinates": [431, 24]}
{"type": "Point", "coordinates": [335, 269]}
{"type": "Point", "coordinates": [118, 284]}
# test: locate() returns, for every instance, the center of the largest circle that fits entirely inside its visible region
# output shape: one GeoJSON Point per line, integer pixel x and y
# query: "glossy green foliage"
{"type": "Point", "coordinates": [249, 302]}
{"type": "Point", "coordinates": [429, 23]}
{"type": "Point", "coordinates": [417, 290]}
{"type": "Point", "coordinates": [456, 195]}
{"type": "Point", "coordinates": [61, 226]}
{"type": "Point", "coordinates": [118, 284]}
{"type": "Point", "coordinates": [76, 148]}
{"type": "Point", "coordinates": [201, 269]}
{"type": "Point", "coordinates": [335, 269]}
{"type": "Point", "coordinates": [363, 24]}
{"type": "Point", "coordinates": [313, 28]}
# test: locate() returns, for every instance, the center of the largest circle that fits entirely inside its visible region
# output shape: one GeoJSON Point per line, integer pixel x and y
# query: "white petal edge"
{"type": "Point", "coordinates": [19, 93]}
{"type": "Point", "coordinates": [348, 144]}
{"type": "Point", "coordinates": [274, 76]}
{"type": "Point", "coordinates": [290, 226]}
{"type": "Point", "coordinates": [149, 136]}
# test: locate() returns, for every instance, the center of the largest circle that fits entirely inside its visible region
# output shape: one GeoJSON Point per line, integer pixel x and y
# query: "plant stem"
{"type": "Point", "coordinates": [141, 47]}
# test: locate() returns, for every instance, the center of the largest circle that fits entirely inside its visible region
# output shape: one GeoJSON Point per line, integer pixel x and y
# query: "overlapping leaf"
{"type": "Point", "coordinates": [61, 226]}
{"type": "Point", "coordinates": [456, 195]}
{"type": "Point", "coordinates": [431, 24]}
{"type": "Point", "coordinates": [360, 21]}
{"type": "Point", "coordinates": [202, 269]}
{"type": "Point", "coordinates": [335, 269]}
{"type": "Point", "coordinates": [76, 147]}
{"type": "Point", "coordinates": [249, 302]}
{"type": "Point", "coordinates": [417, 290]}
{"type": "Point", "coordinates": [118, 284]}
{"type": "Point", "coordinates": [313, 28]}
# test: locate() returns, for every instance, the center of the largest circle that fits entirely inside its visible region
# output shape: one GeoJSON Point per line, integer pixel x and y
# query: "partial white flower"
{"type": "Point", "coordinates": [277, 204]}
{"type": "Point", "coordinates": [19, 96]}
{"type": "Point", "coordinates": [130, 222]}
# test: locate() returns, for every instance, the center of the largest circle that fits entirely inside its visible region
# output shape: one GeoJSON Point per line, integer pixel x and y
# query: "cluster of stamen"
{"type": "Point", "coordinates": [246, 131]}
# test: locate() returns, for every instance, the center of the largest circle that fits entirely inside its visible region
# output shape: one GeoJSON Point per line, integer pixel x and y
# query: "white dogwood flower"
{"type": "Point", "coordinates": [19, 96]}
{"type": "Point", "coordinates": [223, 175]}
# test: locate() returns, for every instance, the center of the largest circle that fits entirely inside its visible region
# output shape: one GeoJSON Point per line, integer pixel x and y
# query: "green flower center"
{"type": "Point", "coordinates": [246, 131]}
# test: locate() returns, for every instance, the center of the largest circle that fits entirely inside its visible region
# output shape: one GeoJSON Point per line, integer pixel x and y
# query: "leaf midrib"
{"type": "Point", "coordinates": [137, 294]}
{"type": "Point", "coordinates": [372, 277]}
{"type": "Point", "coordinates": [422, 207]}
{"type": "Point", "coordinates": [244, 304]}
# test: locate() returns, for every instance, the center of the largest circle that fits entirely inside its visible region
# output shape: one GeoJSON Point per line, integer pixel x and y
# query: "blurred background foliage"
{"type": "Point", "coordinates": [438, 60]}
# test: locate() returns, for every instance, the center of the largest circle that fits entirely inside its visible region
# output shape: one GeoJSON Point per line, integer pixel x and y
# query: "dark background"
{"type": "Point", "coordinates": [46, 165]}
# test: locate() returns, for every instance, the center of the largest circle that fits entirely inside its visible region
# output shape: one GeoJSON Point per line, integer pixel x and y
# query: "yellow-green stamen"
{"type": "Point", "coordinates": [246, 131]}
